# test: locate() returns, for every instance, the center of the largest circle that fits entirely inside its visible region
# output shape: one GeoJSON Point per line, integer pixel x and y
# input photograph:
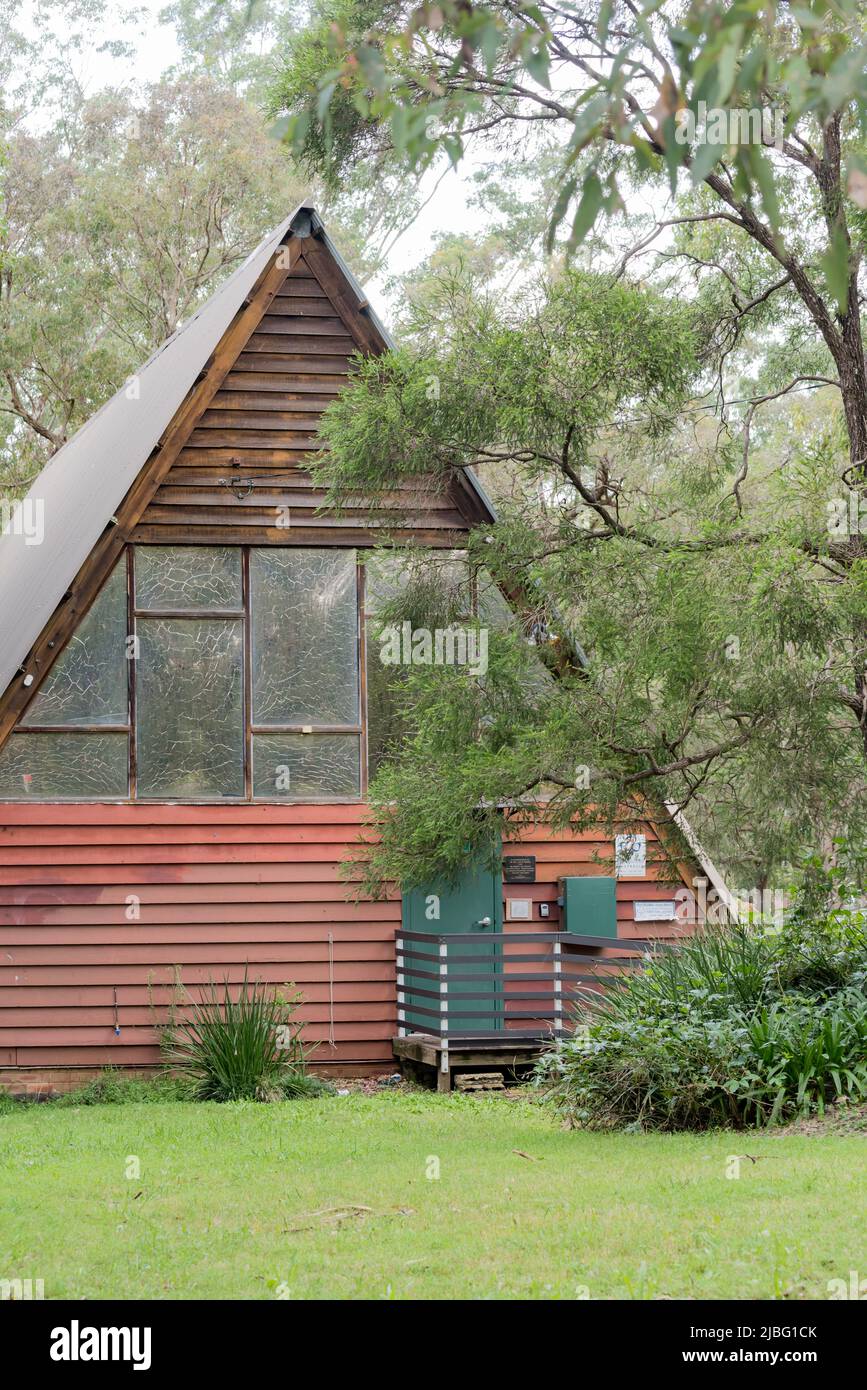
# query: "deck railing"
{"type": "Point", "coordinates": [502, 986]}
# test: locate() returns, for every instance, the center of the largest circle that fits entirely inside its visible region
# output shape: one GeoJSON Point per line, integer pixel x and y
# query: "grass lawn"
{"type": "Point", "coordinates": [332, 1199]}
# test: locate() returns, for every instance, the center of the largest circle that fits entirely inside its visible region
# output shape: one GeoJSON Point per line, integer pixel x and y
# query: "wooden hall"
{"type": "Point", "coordinates": [185, 718]}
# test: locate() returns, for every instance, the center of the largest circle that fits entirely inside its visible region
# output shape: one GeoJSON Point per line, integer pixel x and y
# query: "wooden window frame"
{"type": "Point", "coordinates": [244, 615]}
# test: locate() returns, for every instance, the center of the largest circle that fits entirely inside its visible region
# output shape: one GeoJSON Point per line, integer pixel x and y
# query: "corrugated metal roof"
{"type": "Point", "coordinates": [82, 486]}
{"type": "Point", "coordinates": [84, 483]}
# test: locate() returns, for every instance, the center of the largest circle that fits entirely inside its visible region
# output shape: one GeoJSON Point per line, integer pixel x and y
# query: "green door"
{"type": "Point", "coordinates": [474, 905]}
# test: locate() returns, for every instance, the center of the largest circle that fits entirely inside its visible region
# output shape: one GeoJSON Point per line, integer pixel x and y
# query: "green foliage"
{"type": "Point", "coordinates": [112, 1087]}
{"type": "Point", "coordinates": [123, 209]}
{"type": "Point", "coordinates": [430, 75]}
{"type": "Point", "coordinates": [439, 794]}
{"type": "Point", "coordinates": [330, 130]}
{"type": "Point", "coordinates": [731, 1027]}
{"type": "Point", "coordinates": [231, 40]}
{"type": "Point", "coordinates": [122, 215]}
{"type": "Point", "coordinates": [243, 1048]}
{"type": "Point", "coordinates": [510, 382]}
{"type": "Point", "coordinates": [714, 647]}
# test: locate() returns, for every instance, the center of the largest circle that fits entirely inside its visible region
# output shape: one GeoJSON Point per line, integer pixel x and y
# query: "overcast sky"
{"type": "Point", "coordinates": [156, 50]}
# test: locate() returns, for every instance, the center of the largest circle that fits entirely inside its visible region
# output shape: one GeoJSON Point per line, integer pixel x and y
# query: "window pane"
{"type": "Point", "coordinates": [427, 587]}
{"type": "Point", "coordinates": [189, 708]}
{"type": "Point", "coordinates": [52, 767]}
{"type": "Point", "coordinates": [305, 649]}
{"type": "Point", "coordinates": [88, 682]}
{"type": "Point", "coordinates": [295, 766]}
{"type": "Point", "coordinates": [386, 725]}
{"type": "Point", "coordinates": [180, 577]}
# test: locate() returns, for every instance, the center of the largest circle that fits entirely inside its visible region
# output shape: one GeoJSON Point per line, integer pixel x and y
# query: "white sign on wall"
{"type": "Point", "coordinates": [630, 855]}
{"type": "Point", "coordinates": [654, 911]}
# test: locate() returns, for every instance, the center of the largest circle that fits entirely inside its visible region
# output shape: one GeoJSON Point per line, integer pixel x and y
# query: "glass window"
{"type": "Point", "coordinates": [386, 725]}
{"type": "Point", "coordinates": [188, 578]}
{"type": "Point", "coordinates": [238, 653]}
{"type": "Point", "coordinates": [58, 767]}
{"type": "Point", "coordinates": [296, 766]}
{"type": "Point", "coordinates": [88, 682]}
{"type": "Point", "coordinates": [423, 589]}
{"type": "Point", "coordinates": [305, 637]}
{"type": "Point", "coordinates": [190, 708]}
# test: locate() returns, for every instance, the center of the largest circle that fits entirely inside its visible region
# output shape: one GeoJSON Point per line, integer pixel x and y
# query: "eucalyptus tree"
{"type": "Point", "coordinates": [727, 548]}
{"type": "Point", "coordinates": [121, 217]}
{"type": "Point", "coordinates": [627, 88]}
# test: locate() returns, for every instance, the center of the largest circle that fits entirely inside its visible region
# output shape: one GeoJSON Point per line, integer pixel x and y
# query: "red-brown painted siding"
{"type": "Point", "coordinates": [219, 886]}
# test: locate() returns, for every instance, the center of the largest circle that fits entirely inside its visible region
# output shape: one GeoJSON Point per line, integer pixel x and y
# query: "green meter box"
{"type": "Point", "coordinates": [589, 906]}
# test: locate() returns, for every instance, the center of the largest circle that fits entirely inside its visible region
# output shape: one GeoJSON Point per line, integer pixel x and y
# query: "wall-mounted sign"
{"type": "Point", "coordinates": [519, 909]}
{"type": "Point", "coordinates": [630, 854]}
{"type": "Point", "coordinates": [519, 868]}
{"type": "Point", "coordinates": [654, 911]}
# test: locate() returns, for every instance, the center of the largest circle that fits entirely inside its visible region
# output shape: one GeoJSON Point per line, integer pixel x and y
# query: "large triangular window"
{"type": "Point", "coordinates": [73, 741]}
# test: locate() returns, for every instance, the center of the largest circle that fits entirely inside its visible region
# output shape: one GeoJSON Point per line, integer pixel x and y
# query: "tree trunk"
{"type": "Point", "coordinates": [853, 389]}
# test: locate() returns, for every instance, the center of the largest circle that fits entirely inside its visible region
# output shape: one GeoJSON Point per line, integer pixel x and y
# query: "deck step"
{"type": "Point", "coordinates": [480, 1081]}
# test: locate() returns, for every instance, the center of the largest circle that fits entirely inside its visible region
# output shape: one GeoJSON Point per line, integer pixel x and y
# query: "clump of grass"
{"type": "Point", "coordinates": [243, 1048]}
{"type": "Point", "coordinates": [111, 1087]}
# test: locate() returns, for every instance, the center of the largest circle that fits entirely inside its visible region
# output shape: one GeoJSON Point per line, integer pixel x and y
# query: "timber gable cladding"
{"type": "Point", "coordinates": [241, 474]}
{"type": "Point", "coordinates": [230, 467]}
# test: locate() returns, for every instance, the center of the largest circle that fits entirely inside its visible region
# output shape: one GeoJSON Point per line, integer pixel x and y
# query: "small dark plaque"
{"type": "Point", "coordinates": [519, 868]}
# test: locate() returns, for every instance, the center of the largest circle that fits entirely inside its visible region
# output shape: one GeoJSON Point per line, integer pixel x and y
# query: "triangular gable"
{"type": "Point", "coordinates": [243, 474]}
{"type": "Point", "coordinates": [206, 444]}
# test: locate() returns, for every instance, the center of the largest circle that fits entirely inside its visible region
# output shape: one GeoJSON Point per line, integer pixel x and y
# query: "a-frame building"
{"type": "Point", "coordinates": [183, 696]}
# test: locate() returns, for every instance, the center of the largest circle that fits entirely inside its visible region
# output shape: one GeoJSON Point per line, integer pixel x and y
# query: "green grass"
{"type": "Point", "coordinates": [253, 1201]}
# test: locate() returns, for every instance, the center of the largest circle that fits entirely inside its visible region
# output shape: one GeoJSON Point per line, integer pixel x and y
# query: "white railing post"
{"type": "Point", "coordinates": [444, 1005]}
{"type": "Point", "coordinates": [401, 997]}
{"type": "Point", "coordinates": [558, 988]}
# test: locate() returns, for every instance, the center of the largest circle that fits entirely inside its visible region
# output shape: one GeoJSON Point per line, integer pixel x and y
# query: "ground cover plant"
{"type": "Point", "coordinates": [244, 1048]}
{"type": "Point", "coordinates": [736, 1026]}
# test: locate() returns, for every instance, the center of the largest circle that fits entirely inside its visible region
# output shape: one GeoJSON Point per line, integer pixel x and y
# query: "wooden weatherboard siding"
{"type": "Point", "coordinates": [220, 887]}
{"type": "Point", "coordinates": [585, 854]}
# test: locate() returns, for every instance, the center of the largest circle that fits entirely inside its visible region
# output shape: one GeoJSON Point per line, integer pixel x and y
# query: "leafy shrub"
{"type": "Point", "coordinates": [247, 1048]}
{"type": "Point", "coordinates": [733, 1026]}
